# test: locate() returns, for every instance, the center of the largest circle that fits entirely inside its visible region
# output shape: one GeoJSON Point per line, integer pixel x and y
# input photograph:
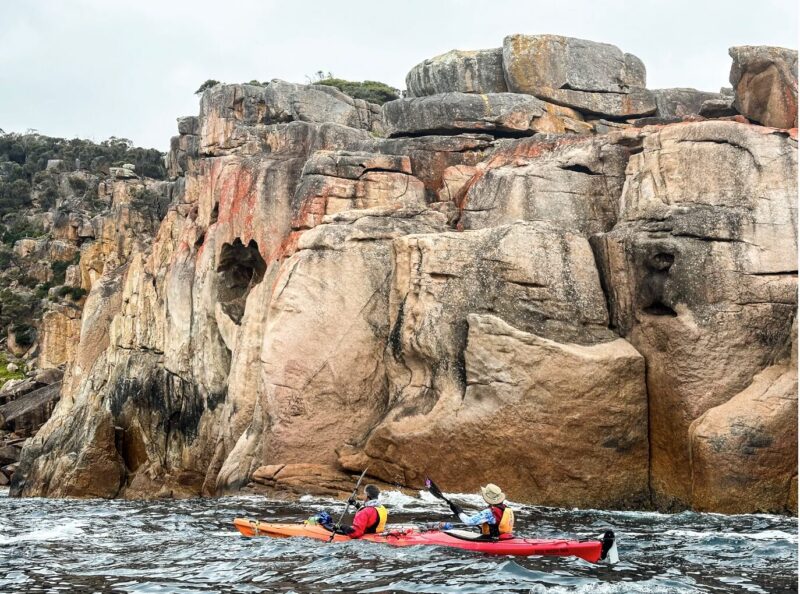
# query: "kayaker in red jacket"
{"type": "Point", "coordinates": [370, 517]}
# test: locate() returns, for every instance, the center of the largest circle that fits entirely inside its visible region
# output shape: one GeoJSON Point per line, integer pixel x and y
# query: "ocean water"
{"type": "Point", "coordinates": [188, 547]}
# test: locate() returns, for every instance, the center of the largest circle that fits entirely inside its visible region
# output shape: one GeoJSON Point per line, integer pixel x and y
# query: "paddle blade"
{"type": "Point", "coordinates": [613, 555]}
{"type": "Point", "coordinates": [434, 490]}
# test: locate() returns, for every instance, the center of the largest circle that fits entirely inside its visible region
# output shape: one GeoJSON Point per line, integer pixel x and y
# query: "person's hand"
{"type": "Point", "coordinates": [445, 526]}
{"type": "Point", "coordinates": [456, 509]}
{"type": "Point", "coordinates": [352, 501]}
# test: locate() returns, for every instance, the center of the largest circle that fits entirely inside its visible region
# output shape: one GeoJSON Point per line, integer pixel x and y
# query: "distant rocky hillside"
{"type": "Point", "coordinates": [65, 206]}
{"type": "Point", "coordinates": [531, 270]}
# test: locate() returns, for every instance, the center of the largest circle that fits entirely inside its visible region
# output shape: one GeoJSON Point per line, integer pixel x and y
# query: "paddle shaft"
{"type": "Point", "coordinates": [347, 507]}
{"type": "Point", "coordinates": [437, 492]}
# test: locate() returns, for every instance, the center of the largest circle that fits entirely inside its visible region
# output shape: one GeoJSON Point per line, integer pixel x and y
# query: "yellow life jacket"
{"type": "Point", "coordinates": [504, 521]}
{"type": "Point", "coordinates": [383, 515]}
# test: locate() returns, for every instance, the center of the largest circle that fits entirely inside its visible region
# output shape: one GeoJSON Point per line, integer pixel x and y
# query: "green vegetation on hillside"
{"type": "Point", "coordinates": [5, 374]}
{"type": "Point", "coordinates": [24, 157]}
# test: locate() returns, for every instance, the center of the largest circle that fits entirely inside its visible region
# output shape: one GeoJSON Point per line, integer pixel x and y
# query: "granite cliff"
{"type": "Point", "coordinates": [531, 270]}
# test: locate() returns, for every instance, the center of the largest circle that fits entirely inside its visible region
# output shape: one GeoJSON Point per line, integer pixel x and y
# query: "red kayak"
{"type": "Point", "coordinates": [590, 550]}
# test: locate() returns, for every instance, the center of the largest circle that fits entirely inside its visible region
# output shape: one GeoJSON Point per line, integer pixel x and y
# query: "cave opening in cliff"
{"type": "Point", "coordinates": [657, 308]}
{"type": "Point", "coordinates": [240, 268]}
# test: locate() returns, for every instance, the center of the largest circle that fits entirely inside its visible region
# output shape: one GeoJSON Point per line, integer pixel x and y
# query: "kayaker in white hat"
{"type": "Point", "coordinates": [496, 520]}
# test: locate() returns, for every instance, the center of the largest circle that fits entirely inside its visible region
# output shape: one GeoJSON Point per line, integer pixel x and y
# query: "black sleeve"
{"type": "Point", "coordinates": [346, 530]}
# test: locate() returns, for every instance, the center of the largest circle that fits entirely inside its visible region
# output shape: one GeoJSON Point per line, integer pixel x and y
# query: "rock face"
{"type": "Point", "coordinates": [764, 80]}
{"type": "Point", "coordinates": [682, 102]}
{"type": "Point", "coordinates": [592, 77]}
{"type": "Point", "coordinates": [588, 313]}
{"type": "Point", "coordinates": [503, 114]}
{"type": "Point", "coordinates": [457, 71]}
{"type": "Point", "coordinates": [573, 183]}
{"type": "Point", "coordinates": [491, 271]}
{"type": "Point", "coordinates": [702, 275]}
{"type": "Point", "coordinates": [754, 434]}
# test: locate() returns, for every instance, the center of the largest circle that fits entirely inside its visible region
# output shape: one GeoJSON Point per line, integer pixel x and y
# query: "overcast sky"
{"type": "Point", "coordinates": [100, 68]}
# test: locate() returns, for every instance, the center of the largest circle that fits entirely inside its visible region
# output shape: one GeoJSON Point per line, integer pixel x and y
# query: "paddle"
{"type": "Point", "coordinates": [347, 507]}
{"type": "Point", "coordinates": [437, 492]}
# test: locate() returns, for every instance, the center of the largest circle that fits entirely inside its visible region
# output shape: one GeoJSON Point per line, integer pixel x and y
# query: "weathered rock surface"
{"type": "Point", "coordinates": [510, 272]}
{"type": "Point", "coordinates": [588, 76]}
{"type": "Point", "coordinates": [718, 108]}
{"type": "Point", "coordinates": [701, 274]}
{"type": "Point", "coordinates": [26, 414]}
{"type": "Point", "coordinates": [60, 329]}
{"type": "Point", "coordinates": [457, 71]}
{"type": "Point", "coordinates": [572, 398]}
{"type": "Point", "coordinates": [682, 101]}
{"type": "Point", "coordinates": [502, 114]}
{"type": "Point", "coordinates": [743, 452]}
{"type": "Point", "coordinates": [764, 80]}
{"type": "Point", "coordinates": [573, 183]}
{"type": "Point", "coordinates": [227, 111]}
{"type": "Point", "coordinates": [330, 388]}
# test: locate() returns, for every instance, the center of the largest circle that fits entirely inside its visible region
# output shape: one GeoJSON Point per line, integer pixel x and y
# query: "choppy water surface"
{"type": "Point", "coordinates": [184, 547]}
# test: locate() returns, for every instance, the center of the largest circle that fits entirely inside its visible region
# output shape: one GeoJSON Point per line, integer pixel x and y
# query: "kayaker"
{"type": "Point", "coordinates": [496, 520]}
{"type": "Point", "coordinates": [370, 517]}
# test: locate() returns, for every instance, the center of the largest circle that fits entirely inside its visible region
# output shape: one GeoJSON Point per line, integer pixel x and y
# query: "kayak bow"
{"type": "Point", "coordinates": [590, 550]}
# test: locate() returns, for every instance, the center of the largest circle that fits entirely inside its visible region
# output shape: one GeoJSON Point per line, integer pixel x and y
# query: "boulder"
{"type": "Point", "coordinates": [122, 173]}
{"type": "Point", "coordinates": [588, 403]}
{"type": "Point", "coordinates": [458, 71]}
{"type": "Point", "coordinates": [744, 452]}
{"type": "Point", "coordinates": [91, 467]}
{"type": "Point", "coordinates": [234, 116]}
{"type": "Point", "coordinates": [265, 474]}
{"type": "Point", "coordinates": [8, 455]}
{"type": "Point", "coordinates": [718, 108]}
{"type": "Point", "coordinates": [26, 414]}
{"type": "Point", "coordinates": [500, 114]}
{"type": "Point", "coordinates": [701, 274]}
{"type": "Point", "coordinates": [591, 77]}
{"type": "Point", "coordinates": [572, 183]}
{"type": "Point", "coordinates": [188, 125]}
{"type": "Point", "coordinates": [764, 80]}
{"type": "Point", "coordinates": [681, 101]}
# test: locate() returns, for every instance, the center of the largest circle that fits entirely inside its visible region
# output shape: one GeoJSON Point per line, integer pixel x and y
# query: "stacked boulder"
{"type": "Point", "coordinates": [534, 83]}
{"type": "Point", "coordinates": [765, 82]}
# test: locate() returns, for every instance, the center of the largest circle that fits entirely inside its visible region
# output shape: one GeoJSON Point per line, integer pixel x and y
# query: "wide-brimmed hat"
{"type": "Point", "coordinates": [492, 494]}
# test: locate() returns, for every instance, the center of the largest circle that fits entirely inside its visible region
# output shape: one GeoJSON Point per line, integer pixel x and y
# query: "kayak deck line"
{"type": "Point", "coordinates": [589, 550]}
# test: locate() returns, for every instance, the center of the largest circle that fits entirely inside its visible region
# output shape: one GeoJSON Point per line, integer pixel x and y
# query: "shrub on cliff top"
{"type": "Point", "coordinates": [368, 90]}
{"type": "Point", "coordinates": [206, 85]}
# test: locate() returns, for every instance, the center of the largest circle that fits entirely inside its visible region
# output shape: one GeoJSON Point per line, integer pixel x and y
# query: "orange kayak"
{"type": "Point", "coordinates": [590, 550]}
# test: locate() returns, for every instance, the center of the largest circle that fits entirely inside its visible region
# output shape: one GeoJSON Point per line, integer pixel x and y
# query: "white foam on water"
{"type": "Point", "coordinates": [49, 532]}
{"type": "Point", "coordinates": [612, 588]}
{"type": "Point", "coordinates": [763, 535]}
